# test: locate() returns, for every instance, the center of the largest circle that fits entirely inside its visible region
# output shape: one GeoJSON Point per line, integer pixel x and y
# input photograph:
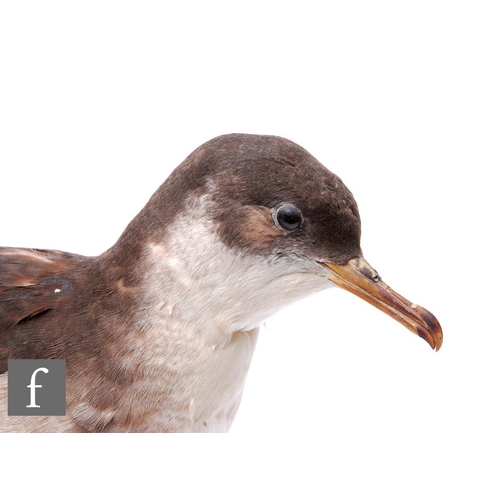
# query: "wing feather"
{"type": "Point", "coordinates": [32, 283]}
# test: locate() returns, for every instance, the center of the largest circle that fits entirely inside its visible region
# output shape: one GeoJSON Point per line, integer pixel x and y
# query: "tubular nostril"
{"type": "Point", "coordinates": [370, 273]}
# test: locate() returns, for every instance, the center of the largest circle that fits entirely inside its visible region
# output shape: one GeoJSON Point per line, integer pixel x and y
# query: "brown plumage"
{"type": "Point", "coordinates": [135, 360]}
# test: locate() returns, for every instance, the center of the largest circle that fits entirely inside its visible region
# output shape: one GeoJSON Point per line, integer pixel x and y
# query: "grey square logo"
{"type": "Point", "coordinates": [36, 386]}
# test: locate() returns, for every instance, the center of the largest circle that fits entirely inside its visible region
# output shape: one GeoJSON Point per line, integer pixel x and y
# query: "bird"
{"type": "Point", "coordinates": [158, 331]}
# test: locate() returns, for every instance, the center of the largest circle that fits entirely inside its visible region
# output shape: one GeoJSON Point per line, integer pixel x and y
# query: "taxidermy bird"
{"type": "Point", "coordinates": [158, 331]}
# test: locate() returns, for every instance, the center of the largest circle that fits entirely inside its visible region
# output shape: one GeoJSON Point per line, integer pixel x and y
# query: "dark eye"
{"type": "Point", "coordinates": [288, 217]}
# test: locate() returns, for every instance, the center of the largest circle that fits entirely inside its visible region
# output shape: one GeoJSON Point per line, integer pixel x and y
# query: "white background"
{"type": "Point", "coordinates": [99, 101]}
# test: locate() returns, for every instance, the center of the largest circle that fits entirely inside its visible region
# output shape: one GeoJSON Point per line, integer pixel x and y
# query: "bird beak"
{"type": "Point", "coordinates": [360, 278]}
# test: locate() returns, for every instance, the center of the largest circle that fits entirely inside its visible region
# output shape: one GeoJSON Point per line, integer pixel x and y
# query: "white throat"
{"type": "Point", "coordinates": [204, 303]}
{"type": "Point", "coordinates": [215, 290]}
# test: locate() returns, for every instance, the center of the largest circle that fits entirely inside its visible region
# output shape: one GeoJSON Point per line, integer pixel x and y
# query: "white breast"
{"type": "Point", "coordinates": [199, 320]}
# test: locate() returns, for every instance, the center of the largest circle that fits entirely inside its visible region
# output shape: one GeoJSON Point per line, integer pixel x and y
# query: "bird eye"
{"type": "Point", "coordinates": [288, 217]}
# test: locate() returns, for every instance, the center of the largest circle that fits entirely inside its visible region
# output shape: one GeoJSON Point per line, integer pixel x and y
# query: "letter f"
{"type": "Point", "coordinates": [33, 386]}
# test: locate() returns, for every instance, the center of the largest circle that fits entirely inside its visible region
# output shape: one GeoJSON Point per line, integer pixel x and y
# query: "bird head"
{"type": "Point", "coordinates": [284, 224]}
